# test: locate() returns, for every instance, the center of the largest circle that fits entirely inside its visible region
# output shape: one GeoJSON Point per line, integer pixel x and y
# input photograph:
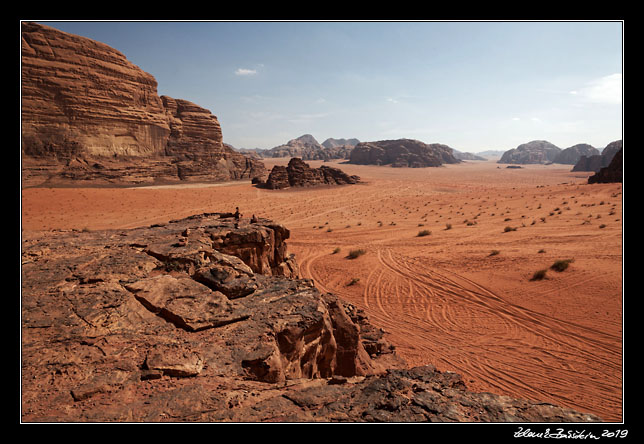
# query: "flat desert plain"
{"type": "Point", "coordinates": [462, 296]}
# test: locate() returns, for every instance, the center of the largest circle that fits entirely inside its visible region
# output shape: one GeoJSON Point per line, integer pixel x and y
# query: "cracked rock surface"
{"type": "Point", "coordinates": [205, 319]}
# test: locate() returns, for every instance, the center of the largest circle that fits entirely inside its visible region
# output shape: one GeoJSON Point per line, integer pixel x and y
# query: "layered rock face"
{"type": "Point", "coordinates": [537, 151]}
{"type": "Point", "coordinates": [178, 322]}
{"type": "Point", "coordinates": [90, 114]}
{"type": "Point", "coordinates": [598, 161]}
{"type": "Point", "coordinates": [570, 156]}
{"type": "Point", "coordinates": [610, 173]}
{"type": "Point", "coordinates": [402, 153]}
{"type": "Point", "coordinates": [300, 174]}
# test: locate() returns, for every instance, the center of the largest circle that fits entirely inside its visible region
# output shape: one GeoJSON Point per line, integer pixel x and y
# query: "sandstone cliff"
{"type": "Point", "coordinates": [299, 174]}
{"type": "Point", "coordinates": [536, 151]}
{"type": "Point", "coordinates": [402, 153]}
{"type": "Point", "coordinates": [204, 319]}
{"type": "Point", "coordinates": [90, 114]}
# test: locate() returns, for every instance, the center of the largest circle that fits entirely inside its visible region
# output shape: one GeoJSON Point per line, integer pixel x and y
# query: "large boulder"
{"type": "Point", "coordinates": [299, 174]}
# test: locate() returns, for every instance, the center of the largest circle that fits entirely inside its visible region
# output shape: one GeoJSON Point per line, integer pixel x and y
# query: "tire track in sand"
{"type": "Point", "coordinates": [504, 347]}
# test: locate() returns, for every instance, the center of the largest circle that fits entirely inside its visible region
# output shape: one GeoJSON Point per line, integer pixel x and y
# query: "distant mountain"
{"type": "Point", "coordinates": [598, 161]}
{"type": "Point", "coordinates": [536, 151]}
{"type": "Point", "coordinates": [491, 154]}
{"type": "Point", "coordinates": [571, 156]}
{"type": "Point", "coordinates": [334, 143]}
{"type": "Point", "coordinates": [402, 153]}
{"type": "Point", "coordinates": [307, 148]}
{"type": "Point", "coordinates": [466, 156]}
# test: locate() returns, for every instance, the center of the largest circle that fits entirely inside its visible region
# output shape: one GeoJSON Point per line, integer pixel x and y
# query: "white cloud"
{"type": "Point", "coordinates": [245, 72]}
{"type": "Point", "coordinates": [606, 90]}
{"type": "Point", "coordinates": [389, 99]}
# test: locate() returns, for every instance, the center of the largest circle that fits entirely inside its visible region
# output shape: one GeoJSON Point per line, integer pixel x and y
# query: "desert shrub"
{"type": "Point", "coordinates": [448, 226]}
{"type": "Point", "coordinates": [336, 250]}
{"type": "Point", "coordinates": [538, 275]}
{"type": "Point", "coordinates": [424, 233]}
{"type": "Point", "coordinates": [508, 228]}
{"type": "Point", "coordinates": [494, 252]}
{"type": "Point", "coordinates": [353, 282]}
{"type": "Point", "coordinates": [561, 264]}
{"type": "Point", "coordinates": [355, 253]}
{"type": "Point", "coordinates": [602, 226]}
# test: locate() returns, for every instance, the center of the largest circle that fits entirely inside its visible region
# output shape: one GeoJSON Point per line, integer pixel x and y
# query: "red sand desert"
{"type": "Point", "coordinates": [461, 297]}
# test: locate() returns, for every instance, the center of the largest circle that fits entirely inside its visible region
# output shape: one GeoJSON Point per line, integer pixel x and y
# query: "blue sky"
{"type": "Point", "coordinates": [471, 85]}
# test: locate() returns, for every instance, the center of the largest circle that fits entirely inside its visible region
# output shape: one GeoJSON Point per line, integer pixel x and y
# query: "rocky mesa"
{"type": "Point", "coordinates": [204, 319]}
{"type": "Point", "coordinates": [536, 151]}
{"type": "Point", "coordinates": [402, 153]}
{"type": "Point", "coordinates": [89, 114]}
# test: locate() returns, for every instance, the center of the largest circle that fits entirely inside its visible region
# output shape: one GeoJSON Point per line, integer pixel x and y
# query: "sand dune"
{"type": "Point", "coordinates": [461, 297]}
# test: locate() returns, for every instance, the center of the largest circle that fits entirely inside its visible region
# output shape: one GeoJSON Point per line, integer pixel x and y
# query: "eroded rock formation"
{"type": "Point", "coordinates": [536, 151]}
{"type": "Point", "coordinates": [204, 319]}
{"type": "Point", "coordinates": [571, 155]}
{"type": "Point", "coordinates": [299, 174]}
{"type": "Point", "coordinates": [402, 153]}
{"type": "Point", "coordinates": [89, 114]}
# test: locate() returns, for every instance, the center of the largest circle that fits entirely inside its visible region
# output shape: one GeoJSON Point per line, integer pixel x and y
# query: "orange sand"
{"type": "Point", "coordinates": [443, 298]}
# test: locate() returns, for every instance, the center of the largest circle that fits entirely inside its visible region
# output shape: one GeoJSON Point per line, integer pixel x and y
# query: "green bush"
{"type": "Point", "coordinates": [424, 233]}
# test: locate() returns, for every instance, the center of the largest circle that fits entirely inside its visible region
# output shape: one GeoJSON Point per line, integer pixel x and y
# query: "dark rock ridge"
{"type": "Point", "coordinates": [598, 161]}
{"type": "Point", "coordinates": [611, 173]}
{"type": "Point", "coordinates": [402, 153]}
{"type": "Point", "coordinates": [299, 174]}
{"type": "Point", "coordinates": [570, 156]}
{"type": "Point", "coordinates": [89, 114]}
{"type": "Point", "coordinates": [204, 319]}
{"type": "Point", "coordinates": [536, 151]}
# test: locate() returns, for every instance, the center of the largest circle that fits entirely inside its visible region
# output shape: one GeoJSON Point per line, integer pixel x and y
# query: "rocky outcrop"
{"type": "Point", "coordinates": [570, 156]}
{"type": "Point", "coordinates": [598, 161]}
{"type": "Point", "coordinates": [402, 153]}
{"type": "Point", "coordinates": [537, 151]}
{"type": "Point", "coordinates": [176, 322]}
{"type": "Point", "coordinates": [89, 114]}
{"type": "Point", "coordinates": [300, 174]}
{"type": "Point", "coordinates": [611, 173]}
